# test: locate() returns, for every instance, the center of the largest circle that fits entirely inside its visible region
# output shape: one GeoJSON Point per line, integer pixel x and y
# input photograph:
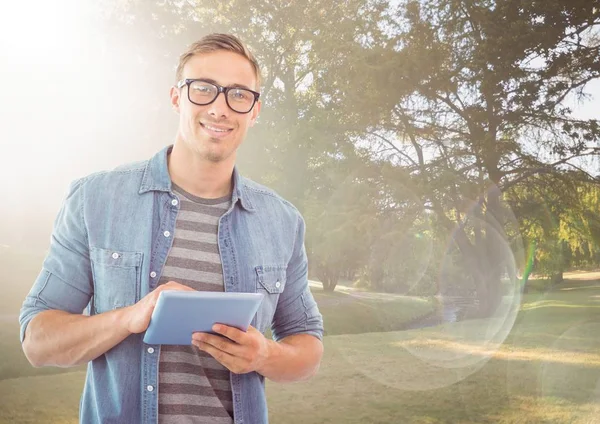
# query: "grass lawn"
{"type": "Point", "coordinates": [41, 399]}
{"type": "Point", "coordinates": [354, 313]}
{"type": "Point", "coordinates": [547, 370]}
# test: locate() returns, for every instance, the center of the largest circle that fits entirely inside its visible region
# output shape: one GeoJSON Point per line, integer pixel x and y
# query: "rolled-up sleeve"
{"type": "Point", "coordinates": [297, 311]}
{"type": "Point", "coordinates": [65, 281]}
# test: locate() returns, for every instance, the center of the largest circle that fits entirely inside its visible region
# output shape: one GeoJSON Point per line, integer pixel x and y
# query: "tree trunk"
{"type": "Point", "coordinates": [329, 278]}
{"type": "Point", "coordinates": [557, 277]}
{"type": "Point", "coordinates": [494, 251]}
{"type": "Point", "coordinates": [329, 286]}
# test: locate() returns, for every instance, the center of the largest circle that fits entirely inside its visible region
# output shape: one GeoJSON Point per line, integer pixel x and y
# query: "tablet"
{"type": "Point", "coordinates": [178, 314]}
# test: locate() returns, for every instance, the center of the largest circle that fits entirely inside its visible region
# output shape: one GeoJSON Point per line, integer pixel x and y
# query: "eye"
{"type": "Point", "coordinates": [202, 89]}
{"type": "Point", "coordinates": [240, 94]}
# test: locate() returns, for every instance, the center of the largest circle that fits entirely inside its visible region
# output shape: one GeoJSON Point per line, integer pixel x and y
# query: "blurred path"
{"type": "Point", "coordinates": [361, 294]}
{"type": "Point", "coordinates": [582, 275]}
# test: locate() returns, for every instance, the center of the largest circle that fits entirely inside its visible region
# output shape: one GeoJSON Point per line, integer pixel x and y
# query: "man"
{"type": "Point", "coordinates": [184, 220]}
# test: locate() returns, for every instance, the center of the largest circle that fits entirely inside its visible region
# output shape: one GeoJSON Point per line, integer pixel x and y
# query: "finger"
{"type": "Point", "coordinates": [218, 342]}
{"type": "Point", "coordinates": [174, 285]}
{"type": "Point", "coordinates": [160, 289]}
{"type": "Point", "coordinates": [252, 330]}
{"type": "Point", "coordinates": [231, 333]}
{"type": "Point", "coordinates": [183, 287]}
{"type": "Point", "coordinates": [171, 286]}
{"type": "Point", "coordinates": [223, 358]}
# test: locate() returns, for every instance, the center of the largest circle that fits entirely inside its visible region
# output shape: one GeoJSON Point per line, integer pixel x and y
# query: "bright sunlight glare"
{"type": "Point", "coordinates": [65, 87]}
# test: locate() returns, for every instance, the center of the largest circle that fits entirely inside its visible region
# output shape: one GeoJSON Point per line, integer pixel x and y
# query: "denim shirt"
{"type": "Point", "coordinates": [109, 244]}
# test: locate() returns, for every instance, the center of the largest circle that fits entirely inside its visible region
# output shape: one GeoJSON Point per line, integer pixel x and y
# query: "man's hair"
{"type": "Point", "coordinates": [216, 42]}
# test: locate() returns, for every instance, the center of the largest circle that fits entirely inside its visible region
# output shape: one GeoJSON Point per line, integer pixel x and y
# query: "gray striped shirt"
{"type": "Point", "coordinates": [193, 386]}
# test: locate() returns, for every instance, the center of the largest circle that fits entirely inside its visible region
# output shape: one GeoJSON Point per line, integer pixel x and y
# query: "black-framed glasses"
{"type": "Point", "coordinates": [202, 92]}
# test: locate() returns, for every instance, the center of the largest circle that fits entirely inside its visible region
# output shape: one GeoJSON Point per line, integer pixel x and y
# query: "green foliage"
{"type": "Point", "coordinates": [402, 261]}
{"type": "Point", "coordinates": [455, 96]}
{"type": "Point", "coordinates": [559, 214]}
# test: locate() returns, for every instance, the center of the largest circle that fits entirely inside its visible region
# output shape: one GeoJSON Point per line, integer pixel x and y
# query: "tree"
{"type": "Point", "coordinates": [469, 95]}
{"type": "Point", "coordinates": [559, 214]}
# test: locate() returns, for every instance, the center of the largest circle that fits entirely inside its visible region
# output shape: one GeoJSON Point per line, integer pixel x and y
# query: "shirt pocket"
{"type": "Point", "coordinates": [270, 281]}
{"type": "Point", "coordinates": [116, 278]}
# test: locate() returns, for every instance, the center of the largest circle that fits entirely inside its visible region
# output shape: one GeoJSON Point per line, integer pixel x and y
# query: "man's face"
{"type": "Point", "coordinates": [214, 131]}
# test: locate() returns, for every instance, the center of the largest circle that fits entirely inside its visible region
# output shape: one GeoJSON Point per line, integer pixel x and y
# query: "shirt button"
{"type": "Point", "coordinates": [150, 388]}
{"type": "Point", "coordinates": [167, 234]}
{"type": "Point", "coordinates": [150, 350]}
{"type": "Point", "coordinates": [278, 284]}
{"type": "Point", "coordinates": [174, 202]}
{"type": "Point", "coordinates": [153, 274]}
{"type": "Point", "coordinates": [115, 255]}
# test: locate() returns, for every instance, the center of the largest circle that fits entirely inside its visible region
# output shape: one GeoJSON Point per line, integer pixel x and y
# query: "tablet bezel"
{"type": "Point", "coordinates": [178, 314]}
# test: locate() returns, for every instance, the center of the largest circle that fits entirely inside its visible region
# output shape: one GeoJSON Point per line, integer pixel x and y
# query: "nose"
{"type": "Point", "coordinates": [219, 108]}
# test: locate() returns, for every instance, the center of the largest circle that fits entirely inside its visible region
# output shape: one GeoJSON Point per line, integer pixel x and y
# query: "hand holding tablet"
{"type": "Point", "coordinates": [178, 314]}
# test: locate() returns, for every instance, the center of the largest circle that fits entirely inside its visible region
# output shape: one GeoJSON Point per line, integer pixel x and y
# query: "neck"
{"type": "Point", "coordinates": [198, 176]}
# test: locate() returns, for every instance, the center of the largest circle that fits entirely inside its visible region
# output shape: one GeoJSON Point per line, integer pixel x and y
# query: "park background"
{"type": "Point", "coordinates": [443, 153]}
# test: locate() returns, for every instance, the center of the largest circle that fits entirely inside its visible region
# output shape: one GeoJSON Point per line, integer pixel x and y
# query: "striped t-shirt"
{"type": "Point", "coordinates": [193, 387]}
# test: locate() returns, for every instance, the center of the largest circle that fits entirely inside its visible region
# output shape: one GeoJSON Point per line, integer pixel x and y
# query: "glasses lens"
{"type": "Point", "coordinates": [240, 99]}
{"type": "Point", "coordinates": [202, 92]}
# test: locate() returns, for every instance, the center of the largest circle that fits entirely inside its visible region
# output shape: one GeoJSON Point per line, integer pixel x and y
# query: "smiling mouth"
{"type": "Point", "coordinates": [216, 129]}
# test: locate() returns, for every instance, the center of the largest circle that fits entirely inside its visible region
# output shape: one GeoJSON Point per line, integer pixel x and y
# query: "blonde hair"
{"type": "Point", "coordinates": [215, 42]}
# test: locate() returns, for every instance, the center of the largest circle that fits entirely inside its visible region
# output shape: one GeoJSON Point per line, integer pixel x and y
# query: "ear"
{"type": "Point", "coordinates": [254, 113]}
{"type": "Point", "coordinates": [175, 96]}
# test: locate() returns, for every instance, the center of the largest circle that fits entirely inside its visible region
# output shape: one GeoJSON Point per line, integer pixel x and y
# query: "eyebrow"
{"type": "Point", "coordinates": [232, 85]}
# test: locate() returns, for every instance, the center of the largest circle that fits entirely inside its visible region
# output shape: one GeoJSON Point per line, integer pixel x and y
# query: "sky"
{"type": "Point", "coordinates": [591, 109]}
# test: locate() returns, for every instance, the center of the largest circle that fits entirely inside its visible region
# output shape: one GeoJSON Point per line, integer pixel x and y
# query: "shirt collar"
{"type": "Point", "coordinates": [156, 178]}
